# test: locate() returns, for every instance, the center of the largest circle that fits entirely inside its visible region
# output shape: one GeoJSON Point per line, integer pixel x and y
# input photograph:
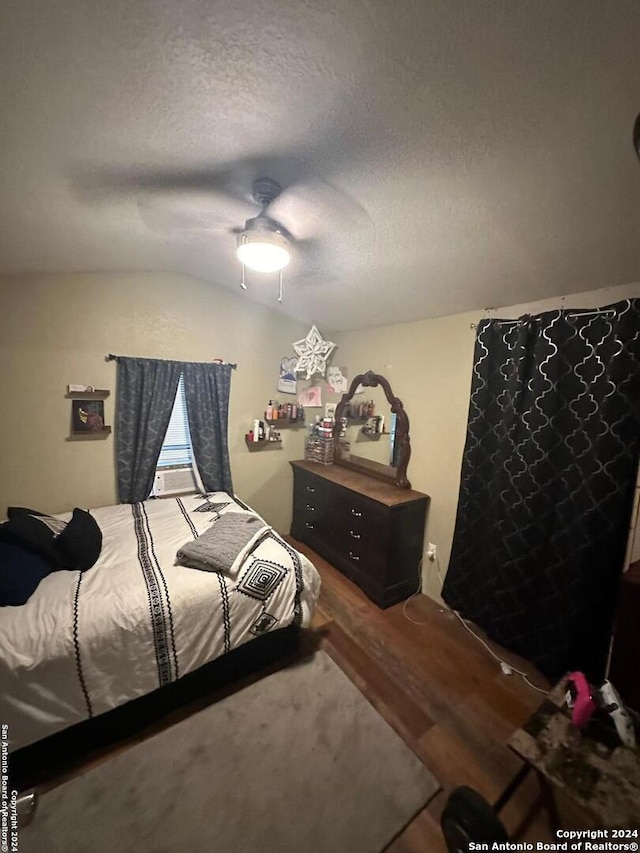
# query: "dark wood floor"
{"type": "Point", "coordinates": [444, 695]}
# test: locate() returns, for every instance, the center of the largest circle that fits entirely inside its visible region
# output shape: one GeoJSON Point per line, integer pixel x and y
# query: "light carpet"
{"type": "Point", "coordinates": [298, 761]}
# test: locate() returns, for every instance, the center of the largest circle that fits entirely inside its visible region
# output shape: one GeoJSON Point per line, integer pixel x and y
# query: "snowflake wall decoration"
{"type": "Point", "coordinates": [313, 353]}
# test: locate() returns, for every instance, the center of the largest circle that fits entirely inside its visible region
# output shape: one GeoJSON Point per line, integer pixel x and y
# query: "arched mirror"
{"type": "Point", "coordinates": [371, 434]}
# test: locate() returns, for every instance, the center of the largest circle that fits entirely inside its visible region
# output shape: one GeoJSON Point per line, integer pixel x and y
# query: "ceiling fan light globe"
{"type": "Point", "coordinates": [263, 251]}
{"type": "Point", "coordinates": [263, 257]}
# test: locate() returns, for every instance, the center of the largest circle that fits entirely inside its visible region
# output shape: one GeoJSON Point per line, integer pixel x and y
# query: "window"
{"type": "Point", "coordinates": [176, 448]}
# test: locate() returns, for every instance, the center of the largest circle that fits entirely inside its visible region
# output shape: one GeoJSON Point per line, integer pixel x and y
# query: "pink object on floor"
{"type": "Point", "coordinates": [582, 705]}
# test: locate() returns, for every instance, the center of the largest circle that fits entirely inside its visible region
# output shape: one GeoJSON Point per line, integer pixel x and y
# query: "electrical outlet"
{"type": "Point", "coordinates": [431, 552]}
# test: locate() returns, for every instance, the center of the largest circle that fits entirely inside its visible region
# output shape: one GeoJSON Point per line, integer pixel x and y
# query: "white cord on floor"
{"type": "Point", "coordinates": [413, 595]}
{"type": "Point", "coordinates": [506, 667]}
{"type": "Point", "coordinates": [502, 662]}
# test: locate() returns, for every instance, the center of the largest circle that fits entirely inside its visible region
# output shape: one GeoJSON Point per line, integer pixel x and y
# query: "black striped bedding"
{"type": "Point", "coordinates": [86, 643]}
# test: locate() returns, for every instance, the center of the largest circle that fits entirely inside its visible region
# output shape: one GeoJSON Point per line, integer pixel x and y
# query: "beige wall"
{"type": "Point", "coordinates": [429, 364]}
{"type": "Point", "coordinates": [56, 330]}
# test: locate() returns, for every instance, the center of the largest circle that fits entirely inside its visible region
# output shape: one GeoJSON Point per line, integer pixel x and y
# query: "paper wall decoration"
{"type": "Point", "coordinates": [313, 353]}
{"type": "Point", "coordinates": [310, 397]}
{"type": "Point", "coordinates": [287, 382]}
{"type": "Point", "coordinates": [337, 380]}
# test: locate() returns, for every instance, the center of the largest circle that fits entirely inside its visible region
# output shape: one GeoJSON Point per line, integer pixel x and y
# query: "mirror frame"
{"type": "Point", "coordinates": [397, 475]}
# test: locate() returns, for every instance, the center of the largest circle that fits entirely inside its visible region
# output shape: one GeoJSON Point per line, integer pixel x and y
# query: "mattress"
{"type": "Point", "coordinates": [86, 643]}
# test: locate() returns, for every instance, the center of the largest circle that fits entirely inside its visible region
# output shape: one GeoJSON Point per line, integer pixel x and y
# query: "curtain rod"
{"type": "Point", "coordinates": [575, 313]}
{"type": "Point", "coordinates": [112, 357]}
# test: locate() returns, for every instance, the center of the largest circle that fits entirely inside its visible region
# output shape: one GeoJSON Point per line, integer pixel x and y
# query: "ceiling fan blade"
{"type": "Point", "coordinates": [180, 212]}
{"type": "Point", "coordinates": [206, 199]}
{"type": "Point", "coordinates": [233, 179]}
{"type": "Point", "coordinates": [313, 207]}
{"type": "Point", "coordinates": [312, 263]}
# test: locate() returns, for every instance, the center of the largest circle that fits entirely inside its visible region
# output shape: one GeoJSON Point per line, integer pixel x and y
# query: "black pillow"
{"type": "Point", "coordinates": [15, 511]}
{"type": "Point", "coordinates": [20, 573]}
{"type": "Point", "coordinates": [34, 532]}
{"type": "Point", "coordinates": [80, 543]}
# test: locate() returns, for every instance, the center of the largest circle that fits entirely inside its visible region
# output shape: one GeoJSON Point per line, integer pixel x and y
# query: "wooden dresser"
{"type": "Point", "coordinates": [370, 530]}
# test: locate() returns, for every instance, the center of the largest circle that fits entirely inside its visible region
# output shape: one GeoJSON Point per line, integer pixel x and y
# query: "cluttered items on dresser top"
{"type": "Point", "coordinates": [357, 422]}
{"type": "Point", "coordinates": [319, 443]}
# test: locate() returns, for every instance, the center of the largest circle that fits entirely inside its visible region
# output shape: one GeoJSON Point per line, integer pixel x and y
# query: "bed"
{"type": "Point", "coordinates": [86, 643]}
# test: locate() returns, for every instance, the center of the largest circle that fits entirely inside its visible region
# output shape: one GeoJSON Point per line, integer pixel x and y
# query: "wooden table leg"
{"type": "Point", "coordinates": [511, 788]}
{"type": "Point", "coordinates": [548, 801]}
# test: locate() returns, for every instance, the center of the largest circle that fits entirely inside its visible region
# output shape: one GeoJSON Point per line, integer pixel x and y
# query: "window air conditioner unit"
{"type": "Point", "coordinates": [173, 481]}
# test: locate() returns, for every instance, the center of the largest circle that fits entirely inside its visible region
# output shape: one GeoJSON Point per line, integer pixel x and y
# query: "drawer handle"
{"type": "Point", "coordinates": [353, 556]}
{"type": "Point", "coordinates": [312, 508]}
{"type": "Point", "coordinates": [355, 535]}
{"type": "Point", "coordinates": [356, 513]}
{"type": "Point", "coordinates": [309, 525]}
{"type": "Point", "coordinates": [310, 488]}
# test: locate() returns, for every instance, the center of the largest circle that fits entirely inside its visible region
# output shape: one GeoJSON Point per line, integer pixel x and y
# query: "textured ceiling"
{"type": "Point", "coordinates": [488, 142]}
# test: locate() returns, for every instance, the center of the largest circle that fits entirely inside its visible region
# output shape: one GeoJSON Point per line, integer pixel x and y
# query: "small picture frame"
{"type": "Point", "coordinates": [87, 416]}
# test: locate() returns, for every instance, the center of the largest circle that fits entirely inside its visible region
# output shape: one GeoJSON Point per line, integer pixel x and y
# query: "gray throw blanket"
{"type": "Point", "coordinates": [224, 545]}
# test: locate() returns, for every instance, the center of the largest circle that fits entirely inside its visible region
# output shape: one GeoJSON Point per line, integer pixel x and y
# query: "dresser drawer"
{"type": "Point", "coordinates": [310, 488]}
{"type": "Point", "coordinates": [360, 533]}
{"type": "Point", "coordinates": [366, 561]}
{"type": "Point", "coordinates": [313, 524]}
{"type": "Point", "coordinates": [358, 524]}
{"type": "Point", "coordinates": [311, 506]}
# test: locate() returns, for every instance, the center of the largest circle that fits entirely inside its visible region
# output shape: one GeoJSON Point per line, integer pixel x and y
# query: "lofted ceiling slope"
{"type": "Point", "coordinates": [485, 145]}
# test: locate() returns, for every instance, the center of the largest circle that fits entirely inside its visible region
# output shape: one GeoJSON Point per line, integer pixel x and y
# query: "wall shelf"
{"type": "Point", "coordinates": [283, 423]}
{"type": "Point", "coordinates": [263, 445]}
{"type": "Point", "coordinates": [87, 395]}
{"type": "Point", "coordinates": [89, 434]}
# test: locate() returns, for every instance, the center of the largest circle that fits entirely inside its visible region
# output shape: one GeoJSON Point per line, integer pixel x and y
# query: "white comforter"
{"type": "Point", "coordinates": [86, 643]}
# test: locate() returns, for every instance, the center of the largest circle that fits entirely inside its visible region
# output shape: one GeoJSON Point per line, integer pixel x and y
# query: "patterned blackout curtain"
{"type": "Point", "coordinates": [206, 389]}
{"type": "Point", "coordinates": [146, 390]}
{"type": "Point", "coordinates": [547, 483]}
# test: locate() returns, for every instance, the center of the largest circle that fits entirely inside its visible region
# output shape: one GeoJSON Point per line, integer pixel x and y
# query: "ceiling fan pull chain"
{"type": "Point", "coordinates": [242, 284]}
{"type": "Point", "coordinates": [280, 293]}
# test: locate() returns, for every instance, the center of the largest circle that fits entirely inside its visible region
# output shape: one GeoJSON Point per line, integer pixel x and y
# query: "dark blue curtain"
{"type": "Point", "coordinates": [206, 389]}
{"type": "Point", "coordinates": [547, 483]}
{"type": "Point", "coordinates": [146, 390]}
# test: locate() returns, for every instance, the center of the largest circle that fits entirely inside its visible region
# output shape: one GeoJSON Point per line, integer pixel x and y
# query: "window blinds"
{"type": "Point", "coordinates": [176, 448]}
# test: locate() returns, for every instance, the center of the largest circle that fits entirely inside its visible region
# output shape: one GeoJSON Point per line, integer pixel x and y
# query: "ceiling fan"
{"type": "Point", "coordinates": [263, 243]}
{"type": "Point", "coordinates": [287, 212]}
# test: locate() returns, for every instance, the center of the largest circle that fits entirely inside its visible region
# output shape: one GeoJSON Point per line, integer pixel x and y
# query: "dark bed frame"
{"type": "Point", "coordinates": [59, 756]}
